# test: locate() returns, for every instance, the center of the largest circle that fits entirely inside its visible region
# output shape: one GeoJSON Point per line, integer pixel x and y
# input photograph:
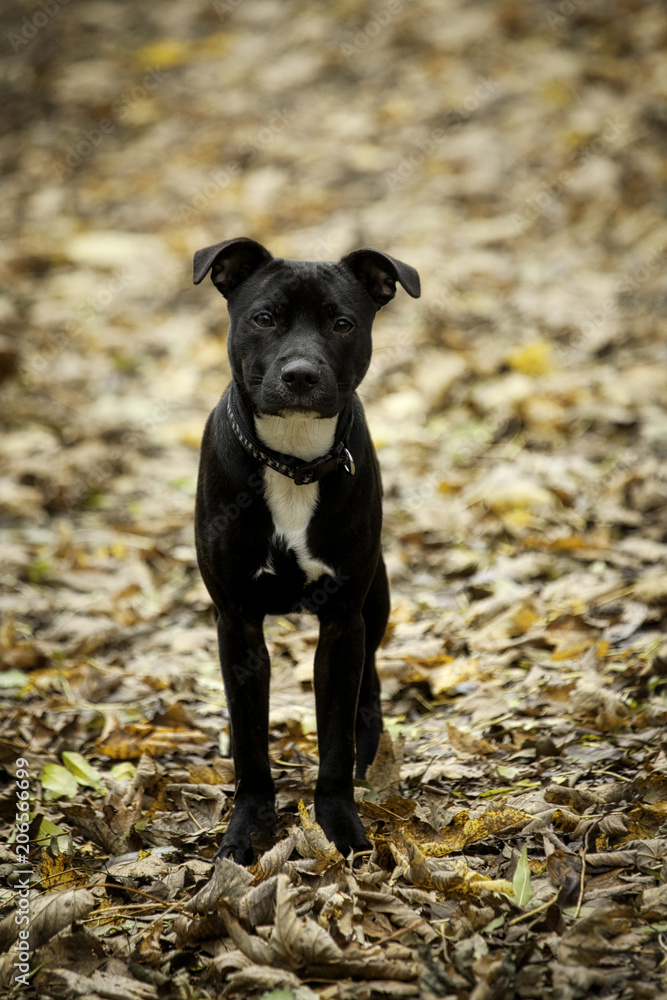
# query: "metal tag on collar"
{"type": "Point", "coordinates": [349, 463]}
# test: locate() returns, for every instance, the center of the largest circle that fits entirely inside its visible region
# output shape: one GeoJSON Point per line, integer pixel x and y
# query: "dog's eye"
{"type": "Point", "coordinates": [264, 319]}
{"type": "Point", "coordinates": [342, 325]}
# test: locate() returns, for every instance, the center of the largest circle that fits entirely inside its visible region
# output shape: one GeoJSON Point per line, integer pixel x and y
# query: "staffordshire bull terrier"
{"type": "Point", "coordinates": [289, 513]}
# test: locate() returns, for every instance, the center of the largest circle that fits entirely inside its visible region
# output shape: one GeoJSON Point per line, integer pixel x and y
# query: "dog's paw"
{"type": "Point", "coordinates": [238, 849]}
{"type": "Point", "coordinates": [250, 816]}
{"type": "Point", "coordinates": [340, 821]}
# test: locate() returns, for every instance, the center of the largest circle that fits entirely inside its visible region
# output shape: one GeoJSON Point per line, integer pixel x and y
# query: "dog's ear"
{"type": "Point", "coordinates": [230, 263]}
{"type": "Point", "coordinates": [378, 273]}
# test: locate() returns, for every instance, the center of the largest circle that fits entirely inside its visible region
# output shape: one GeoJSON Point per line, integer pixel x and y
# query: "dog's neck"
{"type": "Point", "coordinates": [304, 435]}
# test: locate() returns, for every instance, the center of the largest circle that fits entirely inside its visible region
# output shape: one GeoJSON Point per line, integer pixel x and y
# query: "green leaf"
{"type": "Point", "coordinates": [57, 782]}
{"type": "Point", "coordinates": [505, 790]}
{"type": "Point", "coordinates": [123, 771]}
{"type": "Point", "coordinates": [13, 678]}
{"type": "Point", "coordinates": [38, 570]}
{"type": "Point", "coordinates": [48, 830]}
{"type": "Point", "coordinates": [494, 924]}
{"type": "Point", "coordinates": [84, 773]}
{"type": "Point", "coordinates": [507, 771]}
{"type": "Point", "coordinates": [521, 881]}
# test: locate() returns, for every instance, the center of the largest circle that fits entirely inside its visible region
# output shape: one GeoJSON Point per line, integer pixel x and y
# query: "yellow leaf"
{"type": "Point", "coordinates": [517, 518]}
{"type": "Point", "coordinates": [447, 676]}
{"type": "Point", "coordinates": [492, 885]}
{"type": "Point", "coordinates": [572, 651]}
{"type": "Point", "coordinates": [522, 619]}
{"type": "Point", "coordinates": [164, 53]}
{"type": "Point", "coordinates": [458, 880]}
{"type": "Point", "coordinates": [557, 92]}
{"type": "Point", "coordinates": [534, 359]}
{"type": "Point", "coordinates": [519, 494]}
{"type": "Point", "coordinates": [57, 873]}
{"type": "Point", "coordinates": [490, 823]}
{"type": "Point", "coordinates": [447, 487]}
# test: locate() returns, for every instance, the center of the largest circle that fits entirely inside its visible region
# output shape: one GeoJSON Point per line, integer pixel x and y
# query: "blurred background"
{"type": "Point", "coordinates": [514, 152]}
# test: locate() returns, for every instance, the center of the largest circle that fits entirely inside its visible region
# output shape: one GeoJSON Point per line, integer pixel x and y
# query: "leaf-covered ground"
{"type": "Point", "coordinates": [514, 152]}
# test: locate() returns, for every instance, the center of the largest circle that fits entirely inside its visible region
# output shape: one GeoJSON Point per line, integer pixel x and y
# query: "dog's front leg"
{"type": "Point", "coordinates": [246, 670]}
{"type": "Point", "coordinates": [339, 661]}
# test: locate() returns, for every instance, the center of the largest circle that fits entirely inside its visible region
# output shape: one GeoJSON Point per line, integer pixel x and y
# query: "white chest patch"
{"type": "Point", "coordinates": [305, 436]}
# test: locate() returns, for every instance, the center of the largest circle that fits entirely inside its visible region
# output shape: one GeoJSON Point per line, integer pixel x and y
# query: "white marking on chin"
{"type": "Point", "coordinates": [306, 436]}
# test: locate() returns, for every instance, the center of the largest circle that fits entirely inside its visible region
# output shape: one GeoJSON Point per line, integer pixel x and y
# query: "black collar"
{"type": "Point", "coordinates": [301, 472]}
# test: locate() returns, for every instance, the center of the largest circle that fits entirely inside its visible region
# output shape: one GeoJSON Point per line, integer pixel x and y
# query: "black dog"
{"type": "Point", "coordinates": [289, 513]}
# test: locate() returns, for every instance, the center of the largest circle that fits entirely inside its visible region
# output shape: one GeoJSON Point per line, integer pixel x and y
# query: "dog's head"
{"type": "Point", "coordinates": [300, 331]}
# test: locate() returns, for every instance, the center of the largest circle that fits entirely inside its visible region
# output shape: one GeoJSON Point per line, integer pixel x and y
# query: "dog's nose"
{"type": "Point", "coordinates": [300, 375]}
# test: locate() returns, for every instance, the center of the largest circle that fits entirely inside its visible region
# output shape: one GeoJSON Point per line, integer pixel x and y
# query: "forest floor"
{"type": "Point", "coordinates": [514, 153]}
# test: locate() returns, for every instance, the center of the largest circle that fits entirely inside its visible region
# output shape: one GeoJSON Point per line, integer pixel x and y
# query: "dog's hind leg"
{"type": "Point", "coordinates": [369, 714]}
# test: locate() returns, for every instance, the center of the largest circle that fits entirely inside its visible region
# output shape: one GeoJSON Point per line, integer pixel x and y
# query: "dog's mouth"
{"type": "Point", "coordinates": [305, 407]}
{"type": "Point", "coordinates": [297, 409]}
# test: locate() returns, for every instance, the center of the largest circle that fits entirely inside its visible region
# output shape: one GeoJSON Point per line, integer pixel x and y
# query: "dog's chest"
{"type": "Point", "coordinates": [291, 506]}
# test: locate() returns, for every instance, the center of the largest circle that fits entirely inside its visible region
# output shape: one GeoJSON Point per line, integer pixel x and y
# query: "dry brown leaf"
{"type": "Point", "coordinates": [63, 982]}
{"type": "Point", "coordinates": [261, 977]}
{"type": "Point", "coordinates": [400, 913]}
{"type": "Point", "coordinates": [131, 742]}
{"type": "Point", "coordinates": [605, 708]}
{"type": "Point", "coordinates": [147, 948]}
{"type": "Point", "coordinates": [94, 827]}
{"type": "Point", "coordinates": [125, 806]}
{"type": "Point", "coordinates": [220, 772]}
{"type": "Point", "coordinates": [311, 841]}
{"type": "Point", "coordinates": [417, 868]}
{"type": "Point", "coordinates": [228, 882]}
{"type": "Point", "coordinates": [49, 914]}
{"type": "Point", "coordinates": [257, 906]}
{"type": "Point", "coordinates": [466, 745]}
{"type": "Point", "coordinates": [367, 965]}
{"type": "Point", "coordinates": [149, 866]}
{"type": "Point", "coordinates": [298, 941]}
{"type": "Point", "coordinates": [593, 935]}
{"type": "Point", "coordinates": [378, 987]}
{"type": "Point", "coordinates": [558, 868]}
{"type": "Point", "coordinates": [257, 950]}
{"type": "Point", "coordinates": [384, 774]}
{"type": "Point", "coordinates": [272, 861]}
{"type": "Point", "coordinates": [191, 930]}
